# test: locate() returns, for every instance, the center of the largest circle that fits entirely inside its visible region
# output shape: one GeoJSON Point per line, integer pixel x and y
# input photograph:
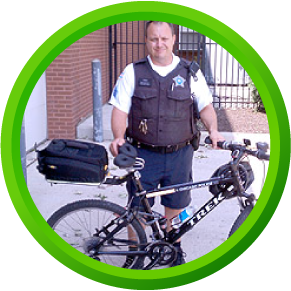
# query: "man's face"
{"type": "Point", "coordinates": [160, 42]}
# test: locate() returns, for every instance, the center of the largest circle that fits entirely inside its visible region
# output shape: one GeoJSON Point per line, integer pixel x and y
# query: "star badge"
{"type": "Point", "coordinates": [179, 81]}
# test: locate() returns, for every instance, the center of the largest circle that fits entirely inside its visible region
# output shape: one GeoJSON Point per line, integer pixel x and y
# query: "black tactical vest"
{"type": "Point", "coordinates": [162, 108]}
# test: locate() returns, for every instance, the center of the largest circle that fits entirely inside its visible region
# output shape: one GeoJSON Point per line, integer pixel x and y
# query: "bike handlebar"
{"type": "Point", "coordinates": [221, 144]}
{"type": "Point", "coordinates": [259, 153]}
{"type": "Point", "coordinates": [262, 155]}
{"type": "Point", "coordinates": [127, 154]}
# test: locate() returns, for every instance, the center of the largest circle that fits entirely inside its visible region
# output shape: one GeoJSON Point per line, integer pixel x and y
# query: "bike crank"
{"type": "Point", "coordinates": [160, 253]}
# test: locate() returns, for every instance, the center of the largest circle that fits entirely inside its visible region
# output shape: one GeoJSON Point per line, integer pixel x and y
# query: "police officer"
{"type": "Point", "coordinates": [153, 109]}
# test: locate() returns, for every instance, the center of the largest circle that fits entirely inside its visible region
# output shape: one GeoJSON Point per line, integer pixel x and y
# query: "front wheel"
{"type": "Point", "coordinates": [80, 223]}
{"type": "Point", "coordinates": [240, 219]}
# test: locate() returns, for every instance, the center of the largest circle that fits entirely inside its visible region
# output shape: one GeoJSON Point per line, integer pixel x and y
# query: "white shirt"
{"type": "Point", "coordinates": [124, 88]}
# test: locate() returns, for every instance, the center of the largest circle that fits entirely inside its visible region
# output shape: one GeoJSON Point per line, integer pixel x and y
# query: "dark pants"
{"type": "Point", "coordinates": [165, 170]}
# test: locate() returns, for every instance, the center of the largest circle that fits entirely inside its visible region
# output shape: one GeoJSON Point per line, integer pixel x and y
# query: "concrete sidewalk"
{"type": "Point", "coordinates": [206, 236]}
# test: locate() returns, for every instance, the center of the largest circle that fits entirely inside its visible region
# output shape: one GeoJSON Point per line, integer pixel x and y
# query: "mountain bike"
{"type": "Point", "coordinates": [110, 233]}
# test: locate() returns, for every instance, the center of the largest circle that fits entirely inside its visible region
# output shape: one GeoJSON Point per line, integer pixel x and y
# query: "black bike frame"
{"type": "Point", "coordinates": [175, 234]}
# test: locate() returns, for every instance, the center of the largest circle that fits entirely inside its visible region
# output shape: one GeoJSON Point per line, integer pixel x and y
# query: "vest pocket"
{"type": "Point", "coordinates": [179, 103]}
{"type": "Point", "coordinates": [143, 130]}
{"type": "Point", "coordinates": [143, 102]}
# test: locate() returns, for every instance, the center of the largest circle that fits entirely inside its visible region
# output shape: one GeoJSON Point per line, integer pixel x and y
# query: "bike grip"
{"type": "Point", "coordinates": [263, 156]}
{"type": "Point", "coordinates": [208, 140]}
{"type": "Point", "coordinates": [220, 144]}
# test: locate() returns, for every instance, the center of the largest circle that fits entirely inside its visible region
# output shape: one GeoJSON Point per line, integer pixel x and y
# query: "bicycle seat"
{"type": "Point", "coordinates": [126, 156]}
{"type": "Point", "coordinates": [128, 150]}
{"type": "Point", "coordinates": [122, 161]}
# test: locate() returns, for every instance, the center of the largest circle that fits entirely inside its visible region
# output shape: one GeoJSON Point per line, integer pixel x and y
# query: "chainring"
{"type": "Point", "coordinates": [166, 252]}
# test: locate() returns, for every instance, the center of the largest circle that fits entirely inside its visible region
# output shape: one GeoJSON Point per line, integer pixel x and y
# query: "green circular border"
{"type": "Point", "coordinates": [225, 253]}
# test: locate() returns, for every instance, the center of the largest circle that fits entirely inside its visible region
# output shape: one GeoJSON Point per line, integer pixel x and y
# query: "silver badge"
{"type": "Point", "coordinates": [179, 81]}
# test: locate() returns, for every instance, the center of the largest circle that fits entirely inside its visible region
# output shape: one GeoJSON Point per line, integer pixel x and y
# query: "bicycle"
{"type": "Point", "coordinates": [100, 228]}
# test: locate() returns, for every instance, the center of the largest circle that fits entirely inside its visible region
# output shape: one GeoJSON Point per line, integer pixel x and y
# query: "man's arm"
{"type": "Point", "coordinates": [209, 118]}
{"type": "Point", "coordinates": [118, 125]}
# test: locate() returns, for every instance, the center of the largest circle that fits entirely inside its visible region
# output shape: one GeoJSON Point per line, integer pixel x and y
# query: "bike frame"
{"type": "Point", "coordinates": [152, 219]}
{"type": "Point", "coordinates": [211, 204]}
{"type": "Point", "coordinates": [176, 233]}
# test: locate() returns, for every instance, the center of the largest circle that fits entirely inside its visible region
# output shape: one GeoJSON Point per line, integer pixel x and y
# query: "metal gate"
{"type": "Point", "coordinates": [225, 77]}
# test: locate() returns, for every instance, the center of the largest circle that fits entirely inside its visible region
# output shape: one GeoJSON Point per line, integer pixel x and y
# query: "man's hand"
{"type": "Point", "coordinates": [215, 137]}
{"type": "Point", "coordinates": [115, 145]}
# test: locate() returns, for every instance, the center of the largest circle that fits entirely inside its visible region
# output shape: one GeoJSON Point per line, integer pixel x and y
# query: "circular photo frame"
{"type": "Point", "coordinates": [231, 248]}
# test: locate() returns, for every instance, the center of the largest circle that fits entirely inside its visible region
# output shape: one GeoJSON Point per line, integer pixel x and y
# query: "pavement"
{"type": "Point", "coordinates": [207, 235]}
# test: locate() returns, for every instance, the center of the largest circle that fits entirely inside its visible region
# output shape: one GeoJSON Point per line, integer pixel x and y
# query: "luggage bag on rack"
{"type": "Point", "coordinates": [71, 161]}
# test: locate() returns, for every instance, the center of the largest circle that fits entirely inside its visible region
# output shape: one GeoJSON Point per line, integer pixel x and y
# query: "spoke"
{"type": "Point", "coordinates": [81, 225]}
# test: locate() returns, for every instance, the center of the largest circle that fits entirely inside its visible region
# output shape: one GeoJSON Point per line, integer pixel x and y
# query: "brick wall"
{"type": "Point", "coordinates": [69, 83]}
{"type": "Point", "coordinates": [69, 76]}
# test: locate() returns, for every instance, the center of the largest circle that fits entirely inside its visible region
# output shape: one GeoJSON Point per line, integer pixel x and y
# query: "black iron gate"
{"type": "Point", "coordinates": [226, 78]}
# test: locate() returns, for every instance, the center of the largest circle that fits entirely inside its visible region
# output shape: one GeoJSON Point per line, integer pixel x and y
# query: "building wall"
{"type": "Point", "coordinates": [69, 76]}
{"type": "Point", "coordinates": [69, 83]}
{"type": "Point", "coordinates": [35, 116]}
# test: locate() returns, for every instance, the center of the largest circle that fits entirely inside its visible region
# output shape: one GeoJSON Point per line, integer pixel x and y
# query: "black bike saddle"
{"type": "Point", "coordinates": [128, 150]}
{"type": "Point", "coordinates": [126, 156]}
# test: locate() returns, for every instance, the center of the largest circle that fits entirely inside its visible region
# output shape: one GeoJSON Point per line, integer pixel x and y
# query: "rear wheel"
{"type": "Point", "coordinates": [80, 222]}
{"type": "Point", "coordinates": [240, 219]}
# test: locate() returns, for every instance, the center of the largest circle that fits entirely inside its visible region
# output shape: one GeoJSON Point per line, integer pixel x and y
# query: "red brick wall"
{"type": "Point", "coordinates": [69, 83]}
{"type": "Point", "coordinates": [69, 76]}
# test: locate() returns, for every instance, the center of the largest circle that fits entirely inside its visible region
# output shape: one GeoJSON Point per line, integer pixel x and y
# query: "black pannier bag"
{"type": "Point", "coordinates": [72, 161]}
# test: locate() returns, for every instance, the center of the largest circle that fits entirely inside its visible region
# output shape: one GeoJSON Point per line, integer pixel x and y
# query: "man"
{"type": "Point", "coordinates": [154, 96]}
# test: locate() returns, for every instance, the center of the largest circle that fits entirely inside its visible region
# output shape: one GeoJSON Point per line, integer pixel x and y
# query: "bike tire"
{"type": "Point", "coordinates": [92, 214]}
{"type": "Point", "coordinates": [240, 219]}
